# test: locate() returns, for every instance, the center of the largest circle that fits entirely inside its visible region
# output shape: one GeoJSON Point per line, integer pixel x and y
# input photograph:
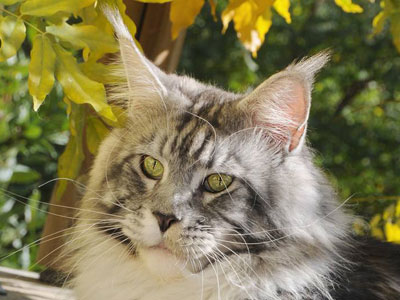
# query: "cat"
{"type": "Point", "coordinates": [207, 194]}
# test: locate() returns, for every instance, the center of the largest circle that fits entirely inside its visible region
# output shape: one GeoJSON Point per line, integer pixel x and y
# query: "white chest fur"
{"type": "Point", "coordinates": [107, 273]}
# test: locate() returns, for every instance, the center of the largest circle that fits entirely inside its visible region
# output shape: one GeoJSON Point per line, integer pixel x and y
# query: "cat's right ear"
{"type": "Point", "coordinates": [141, 77]}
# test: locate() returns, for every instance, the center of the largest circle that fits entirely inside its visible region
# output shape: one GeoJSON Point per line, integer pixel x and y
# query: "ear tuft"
{"type": "Point", "coordinates": [309, 67]}
{"type": "Point", "coordinates": [141, 77]}
{"type": "Point", "coordinates": [281, 104]}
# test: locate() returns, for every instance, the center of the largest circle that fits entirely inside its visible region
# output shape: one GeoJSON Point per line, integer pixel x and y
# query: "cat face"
{"type": "Point", "coordinates": [198, 175]}
{"type": "Point", "coordinates": [192, 180]}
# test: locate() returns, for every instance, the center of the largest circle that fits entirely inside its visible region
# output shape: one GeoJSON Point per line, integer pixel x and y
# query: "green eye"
{"type": "Point", "coordinates": [152, 168]}
{"type": "Point", "coordinates": [216, 183]}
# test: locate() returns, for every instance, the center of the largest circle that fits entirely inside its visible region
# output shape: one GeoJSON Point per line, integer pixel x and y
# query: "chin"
{"type": "Point", "coordinates": [163, 264]}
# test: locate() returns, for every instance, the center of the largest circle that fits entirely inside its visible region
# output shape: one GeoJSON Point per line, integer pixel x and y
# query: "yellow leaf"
{"type": "Point", "coordinates": [375, 221]}
{"type": "Point", "coordinates": [87, 37]}
{"type": "Point", "coordinates": [389, 212]}
{"type": "Point", "coordinates": [9, 2]}
{"type": "Point", "coordinates": [78, 87]}
{"type": "Point", "coordinates": [12, 34]}
{"type": "Point", "coordinates": [70, 161]}
{"type": "Point", "coordinates": [282, 8]}
{"type": "Point", "coordinates": [41, 69]}
{"type": "Point", "coordinates": [391, 12]}
{"type": "Point", "coordinates": [263, 24]}
{"type": "Point", "coordinates": [378, 22]}
{"type": "Point", "coordinates": [377, 233]}
{"type": "Point", "coordinates": [183, 13]}
{"type": "Point", "coordinates": [69, 105]}
{"type": "Point", "coordinates": [348, 6]}
{"type": "Point", "coordinates": [398, 209]}
{"type": "Point", "coordinates": [392, 232]}
{"type": "Point", "coordinates": [154, 1]}
{"type": "Point", "coordinates": [50, 7]}
{"type": "Point", "coordinates": [100, 72]}
{"type": "Point", "coordinates": [96, 131]}
{"type": "Point", "coordinates": [252, 20]}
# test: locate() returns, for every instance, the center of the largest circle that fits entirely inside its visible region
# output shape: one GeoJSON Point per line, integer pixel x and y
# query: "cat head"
{"type": "Point", "coordinates": [201, 174]}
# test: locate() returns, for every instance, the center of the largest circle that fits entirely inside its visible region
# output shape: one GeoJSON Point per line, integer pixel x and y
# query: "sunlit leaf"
{"type": "Point", "coordinates": [392, 232]}
{"type": "Point", "coordinates": [78, 87]}
{"type": "Point", "coordinates": [252, 20]}
{"type": "Point", "coordinates": [378, 22]}
{"type": "Point", "coordinates": [390, 12]}
{"type": "Point", "coordinates": [50, 7]}
{"type": "Point", "coordinates": [41, 69]}
{"type": "Point", "coordinates": [96, 131]}
{"type": "Point", "coordinates": [9, 2]}
{"type": "Point", "coordinates": [389, 212]}
{"type": "Point", "coordinates": [154, 1]}
{"type": "Point", "coordinates": [121, 115]}
{"type": "Point", "coordinates": [100, 72]}
{"type": "Point", "coordinates": [12, 34]}
{"type": "Point", "coordinates": [282, 8]}
{"type": "Point", "coordinates": [93, 41]}
{"type": "Point", "coordinates": [348, 6]}
{"type": "Point", "coordinates": [183, 13]}
{"type": "Point", "coordinates": [398, 209]}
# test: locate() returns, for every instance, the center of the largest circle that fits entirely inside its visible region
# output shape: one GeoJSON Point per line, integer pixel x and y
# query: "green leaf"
{"type": "Point", "coordinates": [12, 34]}
{"type": "Point", "coordinates": [93, 41]}
{"type": "Point", "coordinates": [5, 132]}
{"type": "Point", "coordinates": [50, 7]}
{"type": "Point", "coordinates": [23, 174]}
{"type": "Point", "coordinates": [96, 131]}
{"type": "Point", "coordinates": [33, 132]}
{"type": "Point", "coordinates": [78, 87]}
{"type": "Point", "coordinates": [41, 69]}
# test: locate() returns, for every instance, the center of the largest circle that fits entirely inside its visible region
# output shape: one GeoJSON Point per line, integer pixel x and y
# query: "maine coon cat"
{"type": "Point", "coordinates": [206, 194]}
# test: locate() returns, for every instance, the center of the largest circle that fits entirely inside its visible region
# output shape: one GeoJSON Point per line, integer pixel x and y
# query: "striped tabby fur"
{"type": "Point", "coordinates": [277, 232]}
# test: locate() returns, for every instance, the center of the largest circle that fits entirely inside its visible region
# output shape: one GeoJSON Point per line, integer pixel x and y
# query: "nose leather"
{"type": "Point", "coordinates": [164, 221]}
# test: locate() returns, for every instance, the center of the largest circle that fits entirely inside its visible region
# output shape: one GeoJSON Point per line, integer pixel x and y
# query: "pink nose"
{"type": "Point", "coordinates": [164, 221]}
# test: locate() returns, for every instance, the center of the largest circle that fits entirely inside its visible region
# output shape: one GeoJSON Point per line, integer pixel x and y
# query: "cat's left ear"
{"type": "Point", "coordinates": [143, 80]}
{"type": "Point", "coordinates": [281, 104]}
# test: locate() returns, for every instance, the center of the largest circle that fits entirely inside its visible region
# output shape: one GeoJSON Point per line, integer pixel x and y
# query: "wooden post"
{"type": "Point", "coordinates": [154, 34]}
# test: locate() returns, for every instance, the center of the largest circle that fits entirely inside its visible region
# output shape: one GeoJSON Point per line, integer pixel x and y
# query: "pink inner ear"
{"type": "Point", "coordinates": [297, 111]}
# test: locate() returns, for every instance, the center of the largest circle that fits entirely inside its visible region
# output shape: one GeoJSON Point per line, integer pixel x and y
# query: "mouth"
{"type": "Point", "coordinates": [161, 247]}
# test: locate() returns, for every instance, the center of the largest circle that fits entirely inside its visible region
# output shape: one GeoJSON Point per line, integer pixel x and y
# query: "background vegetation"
{"type": "Point", "coordinates": [354, 125]}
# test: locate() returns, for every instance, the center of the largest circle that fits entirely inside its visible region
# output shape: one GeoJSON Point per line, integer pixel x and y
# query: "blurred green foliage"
{"type": "Point", "coordinates": [354, 123]}
{"type": "Point", "coordinates": [30, 144]}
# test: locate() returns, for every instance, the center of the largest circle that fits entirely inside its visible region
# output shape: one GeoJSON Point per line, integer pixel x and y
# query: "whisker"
{"type": "Point", "coordinates": [14, 195]}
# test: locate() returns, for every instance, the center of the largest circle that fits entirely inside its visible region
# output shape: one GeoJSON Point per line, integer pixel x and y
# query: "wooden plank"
{"type": "Point", "coordinates": [24, 285]}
